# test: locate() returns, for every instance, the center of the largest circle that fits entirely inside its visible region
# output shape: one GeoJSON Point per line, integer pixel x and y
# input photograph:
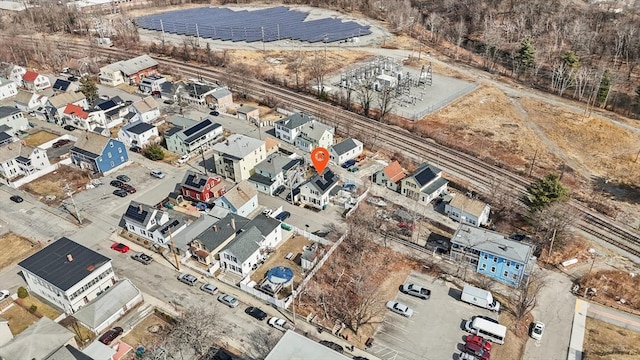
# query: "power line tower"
{"type": "Point", "coordinates": [75, 207]}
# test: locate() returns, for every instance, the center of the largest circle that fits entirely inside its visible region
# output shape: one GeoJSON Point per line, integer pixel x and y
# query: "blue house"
{"type": "Point", "coordinates": [493, 254]}
{"type": "Point", "coordinates": [98, 153]}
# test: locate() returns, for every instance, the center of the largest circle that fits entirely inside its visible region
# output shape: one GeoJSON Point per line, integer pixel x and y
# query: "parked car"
{"type": "Point", "coordinates": [120, 193]}
{"type": "Point", "coordinates": [537, 330]}
{"type": "Point", "coordinates": [479, 340]}
{"type": "Point", "coordinates": [16, 198]}
{"type": "Point", "coordinates": [60, 143]}
{"type": "Point", "coordinates": [116, 183]}
{"type": "Point", "coordinates": [267, 211]}
{"type": "Point", "coordinates": [332, 345]}
{"type": "Point", "coordinates": [123, 178]}
{"type": "Point", "coordinates": [360, 358]}
{"type": "Point", "coordinates": [283, 216]}
{"type": "Point", "coordinates": [465, 356]}
{"type": "Point", "coordinates": [349, 187]}
{"type": "Point", "coordinates": [111, 335]}
{"type": "Point", "coordinates": [361, 157]}
{"type": "Point", "coordinates": [142, 257]}
{"type": "Point", "coordinates": [120, 247]}
{"type": "Point", "coordinates": [399, 308]}
{"type": "Point", "coordinates": [188, 279]}
{"type": "Point", "coordinates": [279, 190]}
{"type": "Point", "coordinates": [4, 294]}
{"type": "Point", "coordinates": [69, 127]}
{"type": "Point", "coordinates": [214, 113]}
{"type": "Point", "coordinates": [228, 300]}
{"type": "Point", "coordinates": [477, 351]}
{"type": "Point", "coordinates": [349, 163]}
{"type": "Point", "coordinates": [354, 169]}
{"type": "Point", "coordinates": [183, 159]}
{"type": "Point", "coordinates": [157, 174]}
{"type": "Point", "coordinates": [128, 188]}
{"type": "Point", "coordinates": [406, 225]}
{"type": "Point", "coordinates": [209, 288]}
{"type": "Point", "coordinates": [72, 78]}
{"type": "Point", "coordinates": [417, 291]}
{"type": "Point", "coordinates": [280, 324]}
{"type": "Point", "coordinates": [256, 313]}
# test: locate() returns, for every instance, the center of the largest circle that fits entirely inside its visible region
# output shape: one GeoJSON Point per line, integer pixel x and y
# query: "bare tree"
{"type": "Point", "coordinates": [460, 31]}
{"type": "Point", "coordinates": [365, 92]}
{"type": "Point", "coordinates": [194, 331]}
{"type": "Point", "coordinates": [556, 218]}
{"type": "Point", "coordinates": [317, 69]}
{"type": "Point", "coordinates": [296, 65]}
{"type": "Point", "coordinates": [434, 21]}
{"type": "Point", "coordinates": [525, 297]}
{"type": "Point", "coordinates": [385, 102]}
{"type": "Point", "coordinates": [261, 342]}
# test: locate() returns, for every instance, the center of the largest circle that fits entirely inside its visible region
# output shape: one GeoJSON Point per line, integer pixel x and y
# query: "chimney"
{"type": "Point", "coordinates": [69, 258]}
{"type": "Point", "coordinates": [233, 224]}
{"type": "Point", "coordinates": [139, 208]}
{"type": "Point", "coordinates": [215, 228]}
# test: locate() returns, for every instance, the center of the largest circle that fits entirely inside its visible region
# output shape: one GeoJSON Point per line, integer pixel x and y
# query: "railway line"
{"type": "Point", "coordinates": [477, 172]}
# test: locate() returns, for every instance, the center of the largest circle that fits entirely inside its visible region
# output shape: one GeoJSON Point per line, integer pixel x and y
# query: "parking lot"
{"type": "Point", "coordinates": [434, 332]}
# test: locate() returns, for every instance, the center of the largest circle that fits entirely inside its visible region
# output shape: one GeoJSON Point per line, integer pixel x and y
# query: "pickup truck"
{"type": "Point", "coordinates": [416, 290]}
{"type": "Point", "coordinates": [142, 257]}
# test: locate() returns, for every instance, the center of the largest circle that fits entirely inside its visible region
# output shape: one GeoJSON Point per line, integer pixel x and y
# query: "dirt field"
{"type": "Point", "coordinates": [604, 341]}
{"type": "Point", "coordinates": [40, 138]}
{"type": "Point", "coordinates": [54, 183]}
{"type": "Point", "coordinates": [42, 308]}
{"type": "Point", "coordinates": [146, 332]}
{"type": "Point", "coordinates": [612, 285]}
{"type": "Point", "coordinates": [14, 248]}
{"type": "Point", "coordinates": [18, 318]}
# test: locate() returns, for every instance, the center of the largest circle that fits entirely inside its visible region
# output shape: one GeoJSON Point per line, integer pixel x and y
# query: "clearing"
{"type": "Point", "coordinates": [39, 138]}
{"type": "Point", "coordinates": [18, 318]}
{"type": "Point", "coordinates": [604, 341]}
{"type": "Point", "coordinates": [15, 248]}
{"type": "Point", "coordinates": [147, 332]}
{"type": "Point", "coordinates": [42, 308]}
{"type": "Point", "coordinates": [53, 184]}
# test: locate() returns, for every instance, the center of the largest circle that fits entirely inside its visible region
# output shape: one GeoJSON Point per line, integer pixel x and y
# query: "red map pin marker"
{"type": "Point", "coordinates": [320, 159]}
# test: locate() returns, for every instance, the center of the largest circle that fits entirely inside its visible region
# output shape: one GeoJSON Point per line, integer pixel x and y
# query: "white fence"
{"type": "Point", "coordinates": [281, 303]}
{"type": "Point", "coordinates": [320, 263]}
{"type": "Point", "coordinates": [310, 236]}
{"type": "Point", "coordinates": [358, 200]}
{"type": "Point", "coordinates": [49, 169]}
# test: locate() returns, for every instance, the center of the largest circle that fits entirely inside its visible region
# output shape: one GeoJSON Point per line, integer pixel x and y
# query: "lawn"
{"type": "Point", "coordinates": [40, 138]}
{"type": "Point", "coordinates": [43, 308]}
{"type": "Point", "coordinates": [14, 248]}
{"type": "Point", "coordinates": [82, 334]}
{"type": "Point", "coordinates": [18, 318]}
{"type": "Point", "coordinates": [147, 332]}
{"type": "Point", "coordinates": [604, 341]}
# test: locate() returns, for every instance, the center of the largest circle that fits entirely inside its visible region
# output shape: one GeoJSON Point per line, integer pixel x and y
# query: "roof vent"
{"type": "Point", "coordinates": [69, 258]}
{"type": "Point", "coordinates": [215, 228]}
{"type": "Point", "coordinates": [91, 268]}
{"type": "Point", "coordinates": [139, 208]}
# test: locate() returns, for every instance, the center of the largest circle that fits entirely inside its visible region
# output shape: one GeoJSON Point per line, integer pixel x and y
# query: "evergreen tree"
{"type": "Point", "coordinates": [605, 86]}
{"type": "Point", "coordinates": [89, 88]}
{"type": "Point", "coordinates": [526, 54]}
{"type": "Point", "coordinates": [545, 191]}
{"type": "Point", "coordinates": [571, 60]}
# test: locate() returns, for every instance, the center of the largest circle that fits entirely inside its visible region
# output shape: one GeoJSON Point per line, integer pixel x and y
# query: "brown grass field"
{"type": "Point", "coordinates": [40, 138]}
{"type": "Point", "coordinates": [15, 248]}
{"type": "Point", "coordinates": [18, 318]}
{"type": "Point", "coordinates": [54, 183]}
{"type": "Point", "coordinates": [604, 341]}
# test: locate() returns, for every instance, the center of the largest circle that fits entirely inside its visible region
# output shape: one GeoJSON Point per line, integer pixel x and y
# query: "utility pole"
{"type": "Point", "coordinates": [173, 247]}
{"type": "Point", "coordinates": [70, 194]}
{"type": "Point", "coordinates": [533, 162]}
{"type": "Point", "coordinates": [553, 238]}
{"type": "Point", "coordinates": [204, 161]}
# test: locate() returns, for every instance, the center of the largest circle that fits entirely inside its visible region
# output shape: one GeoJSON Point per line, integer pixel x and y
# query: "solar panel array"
{"type": "Point", "coordinates": [270, 24]}
{"type": "Point", "coordinates": [134, 213]}
{"type": "Point", "coordinates": [191, 181]}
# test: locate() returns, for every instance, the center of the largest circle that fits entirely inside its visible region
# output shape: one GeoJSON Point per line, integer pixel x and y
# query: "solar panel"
{"type": "Point", "coordinates": [133, 212]}
{"type": "Point", "coordinates": [168, 227]}
{"type": "Point", "coordinates": [191, 181]}
{"type": "Point", "coordinates": [197, 127]}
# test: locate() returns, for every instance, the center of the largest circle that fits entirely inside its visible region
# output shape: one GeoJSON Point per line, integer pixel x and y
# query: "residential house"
{"type": "Point", "coordinates": [29, 101]}
{"type": "Point", "coordinates": [98, 153]}
{"type": "Point", "coordinates": [67, 274]}
{"type": "Point", "coordinates": [13, 118]}
{"type": "Point", "coordinates": [33, 81]}
{"type": "Point", "coordinates": [198, 94]}
{"type": "Point", "coordinates": [78, 67]}
{"type": "Point", "coordinates": [16, 73]}
{"type": "Point", "coordinates": [138, 134]}
{"type": "Point", "coordinates": [289, 128]}
{"type": "Point", "coordinates": [390, 176]}
{"type": "Point", "coordinates": [151, 85]}
{"type": "Point", "coordinates": [347, 149]}
{"type": "Point", "coordinates": [222, 98]}
{"type": "Point", "coordinates": [314, 134]}
{"type": "Point", "coordinates": [197, 137]}
{"type": "Point", "coordinates": [425, 184]}
{"type": "Point", "coordinates": [246, 112]}
{"type": "Point", "coordinates": [152, 224]}
{"type": "Point", "coordinates": [467, 210]}
{"type": "Point", "coordinates": [102, 312]}
{"type": "Point", "coordinates": [202, 187]}
{"type": "Point", "coordinates": [276, 170]}
{"type": "Point", "coordinates": [236, 157]}
{"type": "Point", "coordinates": [7, 88]}
{"type": "Point", "coordinates": [19, 160]}
{"type": "Point", "coordinates": [5, 331]}
{"type": "Point", "coordinates": [493, 254]}
{"type": "Point", "coordinates": [242, 252]}
{"type": "Point", "coordinates": [170, 91]}
{"type": "Point", "coordinates": [130, 71]}
{"type": "Point", "coordinates": [205, 246]}
{"type": "Point", "coordinates": [317, 192]}
{"type": "Point", "coordinates": [78, 117]}
{"type": "Point", "coordinates": [241, 199]}
{"type": "Point", "coordinates": [42, 340]}
{"type": "Point", "coordinates": [115, 109]}
{"type": "Point", "coordinates": [61, 86]}
{"type": "Point", "coordinates": [147, 108]}
{"type": "Point", "coordinates": [7, 135]}
{"type": "Point", "coordinates": [56, 104]}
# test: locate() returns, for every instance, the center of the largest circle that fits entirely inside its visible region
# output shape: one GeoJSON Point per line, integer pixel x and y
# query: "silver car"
{"type": "Point", "coordinates": [188, 279]}
{"type": "Point", "coordinates": [399, 308]}
{"type": "Point", "coordinates": [228, 300]}
{"type": "Point", "coordinates": [157, 174]}
{"type": "Point", "coordinates": [209, 288]}
{"type": "Point", "coordinates": [416, 290]}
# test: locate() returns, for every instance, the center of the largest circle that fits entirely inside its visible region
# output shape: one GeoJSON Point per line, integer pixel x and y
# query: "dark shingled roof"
{"type": "Point", "coordinates": [52, 265]}
{"type": "Point", "coordinates": [425, 174]}
{"type": "Point", "coordinates": [140, 128]}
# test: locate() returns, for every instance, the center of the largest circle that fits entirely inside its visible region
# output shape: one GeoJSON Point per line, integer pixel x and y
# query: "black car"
{"type": "Point", "coordinates": [72, 78]}
{"type": "Point", "coordinates": [111, 335]}
{"type": "Point", "coordinates": [120, 192]}
{"type": "Point", "coordinates": [332, 345]}
{"type": "Point", "coordinates": [16, 198]}
{"type": "Point", "coordinates": [123, 178]}
{"type": "Point", "coordinates": [279, 190]}
{"type": "Point", "coordinates": [283, 216]}
{"type": "Point", "coordinates": [136, 149]}
{"type": "Point", "coordinates": [214, 113]}
{"type": "Point", "coordinates": [69, 127]}
{"type": "Point", "coordinates": [256, 313]}
{"type": "Point", "coordinates": [116, 183]}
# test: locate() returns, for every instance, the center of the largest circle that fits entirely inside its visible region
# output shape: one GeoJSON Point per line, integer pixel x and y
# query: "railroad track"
{"type": "Point", "coordinates": [477, 172]}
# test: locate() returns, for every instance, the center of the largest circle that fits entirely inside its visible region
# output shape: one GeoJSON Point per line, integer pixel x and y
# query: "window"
{"type": "Point", "coordinates": [484, 266]}
{"type": "Point", "coordinates": [515, 276]}
{"type": "Point", "coordinates": [493, 269]}
{"type": "Point", "coordinates": [111, 144]}
{"type": "Point", "coordinates": [506, 274]}
{"type": "Point", "coordinates": [120, 150]}
{"type": "Point", "coordinates": [508, 263]}
{"type": "Point", "coordinates": [121, 158]}
{"type": "Point", "coordinates": [517, 266]}
{"type": "Point", "coordinates": [495, 259]}
{"type": "Point", "coordinates": [485, 256]}
{"type": "Point", "coordinates": [109, 154]}
{"type": "Point", "coordinates": [112, 164]}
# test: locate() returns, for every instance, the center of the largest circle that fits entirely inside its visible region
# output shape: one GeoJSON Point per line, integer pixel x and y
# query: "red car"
{"type": "Point", "coordinates": [120, 247]}
{"type": "Point", "coordinates": [478, 340]}
{"type": "Point", "coordinates": [477, 350]}
{"type": "Point", "coordinates": [110, 335]}
{"type": "Point", "coordinates": [405, 225]}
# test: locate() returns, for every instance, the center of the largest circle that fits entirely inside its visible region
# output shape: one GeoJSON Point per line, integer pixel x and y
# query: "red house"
{"type": "Point", "coordinates": [202, 187]}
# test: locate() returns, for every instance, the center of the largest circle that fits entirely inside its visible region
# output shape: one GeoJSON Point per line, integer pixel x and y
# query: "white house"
{"type": "Point", "coordinates": [67, 274]}
{"type": "Point", "coordinates": [236, 157]}
{"type": "Point", "coordinates": [151, 224]}
{"type": "Point", "coordinates": [199, 136]}
{"type": "Point", "coordinates": [222, 98]}
{"type": "Point", "coordinates": [276, 170]}
{"type": "Point", "coordinates": [152, 85]}
{"type": "Point", "coordinates": [13, 118]}
{"type": "Point", "coordinates": [347, 149]}
{"type": "Point", "coordinates": [56, 104]}
{"type": "Point", "coordinates": [45, 339]}
{"type": "Point", "coordinates": [7, 88]}
{"type": "Point", "coordinates": [289, 128]}
{"type": "Point", "coordinates": [390, 177]}
{"type": "Point", "coordinates": [425, 184]}
{"type": "Point", "coordinates": [314, 134]}
{"type": "Point", "coordinates": [198, 94]}
{"type": "Point", "coordinates": [28, 100]}
{"type": "Point", "coordinates": [317, 192]}
{"type": "Point", "coordinates": [147, 108]}
{"type": "Point", "coordinates": [130, 71]}
{"type": "Point", "coordinates": [241, 199]}
{"type": "Point", "coordinates": [242, 252]}
{"type": "Point", "coordinates": [467, 210]}
{"type": "Point", "coordinates": [16, 73]}
{"type": "Point", "coordinates": [138, 134]}
{"type": "Point", "coordinates": [33, 81]}
{"type": "Point", "coordinates": [17, 160]}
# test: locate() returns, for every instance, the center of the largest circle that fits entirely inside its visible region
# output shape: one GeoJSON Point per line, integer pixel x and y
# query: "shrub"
{"type": "Point", "coordinates": [33, 308]}
{"type": "Point", "coordinates": [22, 292]}
{"type": "Point", "coordinates": [154, 152]}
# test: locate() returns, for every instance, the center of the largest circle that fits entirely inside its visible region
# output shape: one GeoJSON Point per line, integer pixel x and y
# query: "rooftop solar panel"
{"type": "Point", "coordinates": [197, 127]}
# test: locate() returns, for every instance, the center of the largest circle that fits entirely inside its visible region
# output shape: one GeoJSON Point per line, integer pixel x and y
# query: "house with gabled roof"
{"type": "Point", "coordinates": [67, 274]}
{"type": "Point", "coordinates": [198, 94]}
{"type": "Point", "coordinates": [276, 170]}
{"type": "Point", "coordinates": [314, 134]}
{"type": "Point", "coordinates": [152, 224]}
{"type": "Point", "coordinates": [138, 133]}
{"type": "Point", "coordinates": [467, 210]}
{"type": "Point", "coordinates": [61, 86]}
{"type": "Point", "coordinates": [15, 74]}
{"type": "Point", "coordinates": [390, 176]}
{"type": "Point", "coordinates": [201, 187]}
{"type": "Point", "coordinates": [347, 149]}
{"type": "Point", "coordinates": [13, 118]}
{"type": "Point", "coordinates": [8, 88]}
{"type": "Point", "coordinates": [204, 247]}
{"type": "Point", "coordinates": [130, 71]}
{"type": "Point", "coordinates": [18, 160]}
{"type": "Point", "coordinates": [250, 113]}
{"type": "Point", "coordinates": [151, 84]}
{"type": "Point", "coordinates": [33, 81]}
{"type": "Point", "coordinates": [98, 153]}
{"type": "Point", "coordinates": [222, 98]}
{"type": "Point", "coordinates": [289, 128]}
{"type": "Point", "coordinates": [236, 157]}
{"type": "Point", "coordinates": [7, 135]}
{"type": "Point", "coordinates": [318, 191]}
{"type": "Point", "coordinates": [56, 104]}
{"type": "Point", "coordinates": [242, 252]}
{"type": "Point", "coordinates": [199, 136]}
{"type": "Point", "coordinates": [241, 199]}
{"type": "Point", "coordinates": [425, 184]}
{"type": "Point", "coordinates": [147, 109]}
{"type": "Point", "coordinates": [28, 100]}
{"type": "Point", "coordinates": [42, 340]}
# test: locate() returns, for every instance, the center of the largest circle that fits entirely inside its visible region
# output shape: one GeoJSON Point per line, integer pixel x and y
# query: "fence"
{"type": "Point", "coordinates": [281, 303]}
{"type": "Point", "coordinates": [418, 115]}
{"type": "Point", "coordinates": [42, 172]}
{"type": "Point", "coordinates": [358, 200]}
{"type": "Point", "coordinates": [310, 236]}
{"type": "Point", "coordinates": [320, 263]}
